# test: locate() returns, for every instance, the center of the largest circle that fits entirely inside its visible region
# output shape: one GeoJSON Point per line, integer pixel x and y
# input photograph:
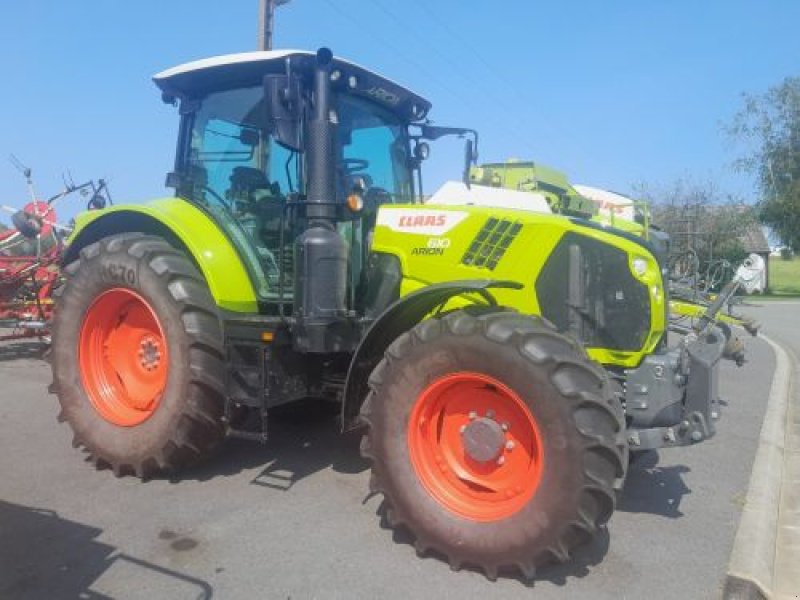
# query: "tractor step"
{"type": "Point", "coordinates": [252, 428]}
{"type": "Point", "coordinates": [245, 377]}
{"type": "Point", "coordinates": [250, 436]}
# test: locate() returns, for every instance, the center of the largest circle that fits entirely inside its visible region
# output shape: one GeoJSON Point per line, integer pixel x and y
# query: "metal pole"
{"type": "Point", "coordinates": [266, 20]}
{"type": "Point", "coordinates": [266, 11]}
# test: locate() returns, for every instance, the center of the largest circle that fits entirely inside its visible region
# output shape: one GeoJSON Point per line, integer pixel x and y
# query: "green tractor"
{"type": "Point", "coordinates": [502, 363]}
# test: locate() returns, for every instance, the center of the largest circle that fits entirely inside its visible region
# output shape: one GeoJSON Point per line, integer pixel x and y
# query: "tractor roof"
{"type": "Point", "coordinates": [200, 77]}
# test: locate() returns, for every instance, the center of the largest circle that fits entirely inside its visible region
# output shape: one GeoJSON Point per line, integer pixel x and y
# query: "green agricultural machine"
{"type": "Point", "coordinates": [529, 176]}
{"type": "Point", "coordinates": [686, 302]}
{"type": "Point", "coordinates": [501, 363]}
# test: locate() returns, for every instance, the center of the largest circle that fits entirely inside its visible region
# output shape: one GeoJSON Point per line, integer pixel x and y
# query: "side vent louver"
{"type": "Point", "coordinates": [491, 243]}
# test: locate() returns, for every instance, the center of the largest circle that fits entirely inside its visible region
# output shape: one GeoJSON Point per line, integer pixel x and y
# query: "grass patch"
{"type": "Point", "coordinates": [784, 276]}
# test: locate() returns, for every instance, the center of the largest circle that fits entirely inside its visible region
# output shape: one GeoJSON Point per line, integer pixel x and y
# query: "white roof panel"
{"type": "Point", "coordinates": [260, 56]}
{"type": "Point", "coordinates": [229, 71]}
{"type": "Point", "coordinates": [455, 193]}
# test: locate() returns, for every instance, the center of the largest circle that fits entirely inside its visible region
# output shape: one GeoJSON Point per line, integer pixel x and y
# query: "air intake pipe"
{"type": "Point", "coordinates": [321, 254]}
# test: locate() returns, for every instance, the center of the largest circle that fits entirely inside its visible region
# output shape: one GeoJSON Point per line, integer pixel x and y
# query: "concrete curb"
{"type": "Point", "coordinates": [751, 569]}
{"type": "Point", "coordinates": [786, 584]}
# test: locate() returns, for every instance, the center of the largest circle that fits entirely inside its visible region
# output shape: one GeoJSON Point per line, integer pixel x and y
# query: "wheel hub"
{"type": "Point", "coordinates": [149, 353]}
{"type": "Point", "coordinates": [483, 439]}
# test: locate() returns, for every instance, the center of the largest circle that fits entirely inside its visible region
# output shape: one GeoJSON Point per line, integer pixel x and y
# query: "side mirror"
{"type": "Point", "coordinates": [283, 108]}
{"type": "Point", "coordinates": [470, 158]}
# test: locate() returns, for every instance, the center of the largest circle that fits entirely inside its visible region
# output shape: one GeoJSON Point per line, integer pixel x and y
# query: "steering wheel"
{"type": "Point", "coordinates": [353, 165]}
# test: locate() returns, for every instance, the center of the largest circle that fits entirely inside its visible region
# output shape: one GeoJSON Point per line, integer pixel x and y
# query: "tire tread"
{"type": "Point", "coordinates": [198, 431]}
{"type": "Point", "coordinates": [569, 370]}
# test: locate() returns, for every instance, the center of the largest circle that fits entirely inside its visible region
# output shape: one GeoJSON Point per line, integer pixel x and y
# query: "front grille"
{"type": "Point", "coordinates": [491, 243]}
{"type": "Point", "coordinates": [586, 289]}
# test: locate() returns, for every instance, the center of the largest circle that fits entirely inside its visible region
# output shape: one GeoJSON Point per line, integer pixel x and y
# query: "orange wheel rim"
{"type": "Point", "coordinates": [123, 357]}
{"type": "Point", "coordinates": [475, 446]}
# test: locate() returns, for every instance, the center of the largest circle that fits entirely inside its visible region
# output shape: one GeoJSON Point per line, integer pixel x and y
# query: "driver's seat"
{"type": "Point", "coordinates": [245, 181]}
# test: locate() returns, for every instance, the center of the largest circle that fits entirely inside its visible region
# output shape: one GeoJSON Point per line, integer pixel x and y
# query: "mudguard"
{"type": "Point", "coordinates": [398, 318]}
{"type": "Point", "coordinates": [184, 225]}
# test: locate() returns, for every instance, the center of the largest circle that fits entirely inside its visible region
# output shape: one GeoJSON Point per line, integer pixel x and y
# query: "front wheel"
{"type": "Point", "coordinates": [138, 356]}
{"type": "Point", "coordinates": [495, 440]}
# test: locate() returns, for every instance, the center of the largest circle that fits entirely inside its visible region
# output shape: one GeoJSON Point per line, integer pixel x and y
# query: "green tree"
{"type": "Point", "coordinates": [770, 124]}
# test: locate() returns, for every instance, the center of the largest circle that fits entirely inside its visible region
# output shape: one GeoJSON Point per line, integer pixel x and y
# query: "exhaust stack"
{"type": "Point", "coordinates": [321, 254]}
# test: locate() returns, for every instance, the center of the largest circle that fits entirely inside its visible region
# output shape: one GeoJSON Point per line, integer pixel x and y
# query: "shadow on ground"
{"type": "Point", "coordinates": [304, 438]}
{"type": "Point", "coordinates": [22, 350]}
{"type": "Point", "coordinates": [652, 489]}
{"type": "Point", "coordinates": [45, 556]}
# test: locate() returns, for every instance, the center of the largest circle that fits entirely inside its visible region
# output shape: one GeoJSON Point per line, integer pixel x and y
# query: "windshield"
{"type": "Point", "coordinates": [374, 150]}
{"type": "Point", "coordinates": [229, 150]}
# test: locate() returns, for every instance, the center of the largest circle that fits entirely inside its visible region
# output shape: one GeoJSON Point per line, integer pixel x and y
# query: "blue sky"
{"type": "Point", "coordinates": [614, 93]}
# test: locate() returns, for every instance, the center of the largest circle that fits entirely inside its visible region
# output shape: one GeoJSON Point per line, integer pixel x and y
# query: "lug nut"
{"type": "Point", "coordinates": [510, 445]}
{"type": "Point", "coordinates": [501, 460]}
{"type": "Point", "coordinates": [473, 415]}
{"type": "Point", "coordinates": [463, 428]}
{"type": "Point", "coordinates": [505, 426]}
{"type": "Point", "coordinates": [490, 414]}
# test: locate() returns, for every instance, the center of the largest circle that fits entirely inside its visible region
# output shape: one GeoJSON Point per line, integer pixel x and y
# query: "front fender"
{"type": "Point", "coordinates": [396, 320]}
{"type": "Point", "coordinates": [183, 224]}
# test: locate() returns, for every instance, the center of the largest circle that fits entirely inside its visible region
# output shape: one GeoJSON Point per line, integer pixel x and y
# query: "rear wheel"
{"type": "Point", "coordinates": [138, 356]}
{"type": "Point", "coordinates": [495, 440]}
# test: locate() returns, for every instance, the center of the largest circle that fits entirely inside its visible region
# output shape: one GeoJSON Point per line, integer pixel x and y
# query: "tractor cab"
{"type": "Point", "coordinates": [271, 140]}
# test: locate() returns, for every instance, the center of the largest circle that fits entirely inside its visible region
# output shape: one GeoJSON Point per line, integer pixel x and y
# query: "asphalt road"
{"type": "Point", "coordinates": [780, 320]}
{"type": "Point", "coordinates": [783, 322]}
{"type": "Point", "coordinates": [292, 519]}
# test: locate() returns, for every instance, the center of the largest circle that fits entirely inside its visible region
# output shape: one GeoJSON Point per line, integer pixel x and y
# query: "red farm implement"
{"type": "Point", "coordinates": [29, 260]}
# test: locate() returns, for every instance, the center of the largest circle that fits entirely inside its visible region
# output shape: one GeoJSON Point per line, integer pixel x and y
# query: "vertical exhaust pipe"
{"type": "Point", "coordinates": [321, 254]}
{"type": "Point", "coordinates": [320, 139]}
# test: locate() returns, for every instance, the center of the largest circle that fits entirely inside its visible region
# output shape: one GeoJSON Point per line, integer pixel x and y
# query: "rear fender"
{"type": "Point", "coordinates": [398, 318]}
{"type": "Point", "coordinates": [184, 226]}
